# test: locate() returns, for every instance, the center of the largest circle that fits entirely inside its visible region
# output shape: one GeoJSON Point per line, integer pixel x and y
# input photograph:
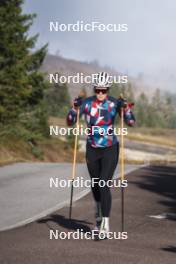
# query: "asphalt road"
{"type": "Point", "coordinates": [25, 193]}
{"type": "Point", "coordinates": [151, 192]}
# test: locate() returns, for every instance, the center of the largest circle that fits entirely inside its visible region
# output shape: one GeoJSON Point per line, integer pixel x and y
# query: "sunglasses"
{"type": "Point", "coordinates": [103, 91]}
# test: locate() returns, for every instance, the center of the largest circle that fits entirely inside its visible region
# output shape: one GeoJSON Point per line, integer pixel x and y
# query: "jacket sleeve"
{"type": "Point", "coordinates": [72, 114]}
{"type": "Point", "coordinates": [71, 117]}
{"type": "Point", "coordinates": [129, 117]}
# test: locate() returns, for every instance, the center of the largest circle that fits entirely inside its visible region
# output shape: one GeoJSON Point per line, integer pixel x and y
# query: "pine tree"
{"type": "Point", "coordinates": [141, 108]}
{"type": "Point", "coordinates": [58, 99]}
{"type": "Point", "coordinates": [21, 84]}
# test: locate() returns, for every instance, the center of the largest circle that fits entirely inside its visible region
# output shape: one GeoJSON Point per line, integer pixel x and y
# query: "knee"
{"type": "Point", "coordinates": [104, 190]}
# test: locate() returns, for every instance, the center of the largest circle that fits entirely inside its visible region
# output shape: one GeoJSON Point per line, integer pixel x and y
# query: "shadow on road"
{"type": "Point", "coordinates": [161, 180]}
{"type": "Point", "coordinates": [61, 220]}
{"type": "Point", "coordinates": [170, 249]}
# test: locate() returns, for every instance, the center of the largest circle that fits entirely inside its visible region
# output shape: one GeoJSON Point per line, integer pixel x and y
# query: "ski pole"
{"type": "Point", "coordinates": [74, 163]}
{"type": "Point", "coordinates": [122, 169]}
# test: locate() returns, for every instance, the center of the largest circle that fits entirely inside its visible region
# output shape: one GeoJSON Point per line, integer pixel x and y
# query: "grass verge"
{"type": "Point", "coordinates": [46, 150]}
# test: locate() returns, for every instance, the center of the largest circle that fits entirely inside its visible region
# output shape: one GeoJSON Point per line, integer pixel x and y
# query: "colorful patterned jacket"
{"type": "Point", "coordinates": [100, 117]}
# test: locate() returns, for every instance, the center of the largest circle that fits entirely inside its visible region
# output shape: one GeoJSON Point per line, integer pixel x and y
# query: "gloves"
{"type": "Point", "coordinates": [77, 102]}
{"type": "Point", "coordinates": [129, 116]}
{"type": "Point", "coordinates": [122, 102]}
{"type": "Point", "coordinates": [130, 105]}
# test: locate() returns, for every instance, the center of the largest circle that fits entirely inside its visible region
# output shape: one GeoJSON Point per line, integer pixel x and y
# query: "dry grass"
{"type": "Point", "coordinates": [163, 137]}
{"type": "Point", "coordinates": [55, 150]}
{"type": "Point", "coordinates": [57, 121]}
{"type": "Point", "coordinates": [51, 150]}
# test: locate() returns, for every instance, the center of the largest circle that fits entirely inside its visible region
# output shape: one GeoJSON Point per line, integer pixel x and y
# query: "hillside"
{"type": "Point", "coordinates": [63, 66]}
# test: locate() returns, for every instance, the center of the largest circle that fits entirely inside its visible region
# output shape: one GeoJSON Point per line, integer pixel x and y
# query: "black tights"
{"type": "Point", "coordinates": [101, 163]}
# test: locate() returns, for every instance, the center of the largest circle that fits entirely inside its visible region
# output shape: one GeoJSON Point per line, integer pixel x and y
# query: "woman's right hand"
{"type": "Point", "coordinates": [77, 102]}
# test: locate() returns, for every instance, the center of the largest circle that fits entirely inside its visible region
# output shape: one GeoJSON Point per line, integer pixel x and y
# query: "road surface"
{"type": "Point", "coordinates": [151, 192]}
{"type": "Point", "coordinates": [25, 193]}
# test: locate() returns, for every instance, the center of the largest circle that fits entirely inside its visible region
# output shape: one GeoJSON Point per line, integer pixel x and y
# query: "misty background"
{"type": "Point", "coordinates": [146, 51]}
{"type": "Point", "coordinates": [29, 104]}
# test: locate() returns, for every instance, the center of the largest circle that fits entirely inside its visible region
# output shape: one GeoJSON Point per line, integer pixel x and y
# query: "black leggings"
{"type": "Point", "coordinates": [101, 163]}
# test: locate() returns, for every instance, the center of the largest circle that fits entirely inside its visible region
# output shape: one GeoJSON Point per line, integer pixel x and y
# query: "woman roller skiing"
{"type": "Point", "coordinates": [102, 149]}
